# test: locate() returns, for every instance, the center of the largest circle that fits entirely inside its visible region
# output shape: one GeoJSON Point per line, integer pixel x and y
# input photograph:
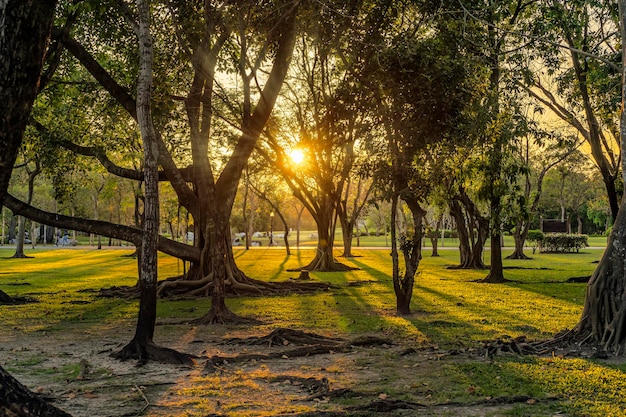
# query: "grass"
{"type": "Point", "coordinates": [450, 310]}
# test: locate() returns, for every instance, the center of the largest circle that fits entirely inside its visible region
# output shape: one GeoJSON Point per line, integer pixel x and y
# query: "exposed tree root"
{"type": "Point", "coordinates": [21, 256]}
{"type": "Point", "coordinates": [181, 288]}
{"type": "Point", "coordinates": [6, 299]}
{"type": "Point", "coordinates": [120, 292]}
{"type": "Point", "coordinates": [520, 256]}
{"type": "Point", "coordinates": [506, 345]}
{"type": "Point", "coordinates": [336, 393]}
{"type": "Point", "coordinates": [226, 317]}
{"type": "Point", "coordinates": [387, 405]}
{"type": "Point", "coordinates": [215, 362]}
{"type": "Point", "coordinates": [317, 387]}
{"type": "Point", "coordinates": [567, 343]}
{"type": "Point", "coordinates": [585, 278]}
{"type": "Point", "coordinates": [284, 337]}
{"type": "Point", "coordinates": [152, 352]}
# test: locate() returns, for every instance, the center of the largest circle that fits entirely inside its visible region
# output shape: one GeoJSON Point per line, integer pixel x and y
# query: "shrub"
{"type": "Point", "coordinates": [535, 237]}
{"type": "Point", "coordinates": [563, 242]}
{"type": "Point", "coordinates": [450, 234]}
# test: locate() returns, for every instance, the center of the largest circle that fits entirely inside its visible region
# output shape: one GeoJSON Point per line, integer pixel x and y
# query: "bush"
{"type": "Point", "coordinates": [535, 237]}
{"type": "Point", "coordinates": [563, 243]}
{"type": "Point", "coordinates": [450, 234]}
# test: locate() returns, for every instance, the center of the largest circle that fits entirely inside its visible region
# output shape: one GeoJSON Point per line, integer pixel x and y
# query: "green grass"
{"type": "Point", "coordinates": [450, 309]}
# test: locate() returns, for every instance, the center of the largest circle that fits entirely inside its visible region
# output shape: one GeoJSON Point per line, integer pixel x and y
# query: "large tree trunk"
{"type": "Point", "coordinates": [324, 260]}
{"type": "Point", "coordinates": [604, 316]}
{"type": "Point", "coordinates": [18, 401]}
{"type": "Point", "coordinates": [24, 31]}
{"type": "Point", "coordinates": [603, 319]}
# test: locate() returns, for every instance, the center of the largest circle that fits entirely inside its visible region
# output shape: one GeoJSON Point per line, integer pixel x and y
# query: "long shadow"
{"type": "Point", "coordinates": [280, 270]}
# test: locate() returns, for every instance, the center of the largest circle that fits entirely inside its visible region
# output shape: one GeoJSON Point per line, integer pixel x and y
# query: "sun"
{"type": "Point", "coordinates": [297, 156]}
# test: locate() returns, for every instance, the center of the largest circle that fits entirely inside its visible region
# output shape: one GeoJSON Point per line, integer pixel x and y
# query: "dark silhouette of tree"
{"type": "Point", "coordinates": [24, 33]}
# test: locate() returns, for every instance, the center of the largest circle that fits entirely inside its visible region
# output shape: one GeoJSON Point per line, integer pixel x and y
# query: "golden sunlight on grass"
{"type": "Point", "coordinates": [450, 310]}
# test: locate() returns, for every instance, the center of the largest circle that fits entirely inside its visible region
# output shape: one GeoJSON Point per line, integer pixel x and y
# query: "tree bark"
{"type": "Point", "coordinates": [603, 321]}
{"type": "Point", "coordinates": [24, 31]}
{"type": "Point", "coordinates": [18, 401]}
{"type": "Point", "coordinates": [472, 228]}
{"type": "Point", "coordinates": [142, 347]}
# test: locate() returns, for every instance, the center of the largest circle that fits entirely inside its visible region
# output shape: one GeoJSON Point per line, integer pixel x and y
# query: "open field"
{"type": "Point", "coordinates": [308, 238]}
{"type": "Point", "coordinates": [60, 345]}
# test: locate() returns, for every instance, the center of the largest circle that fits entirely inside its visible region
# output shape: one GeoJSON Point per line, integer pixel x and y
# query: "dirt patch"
{"type": "Point", "coordinates": [74, 370]}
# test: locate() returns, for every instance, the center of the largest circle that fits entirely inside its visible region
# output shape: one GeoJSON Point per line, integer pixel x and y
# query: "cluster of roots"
{"type": "Point", "coordinates": [182, 287]}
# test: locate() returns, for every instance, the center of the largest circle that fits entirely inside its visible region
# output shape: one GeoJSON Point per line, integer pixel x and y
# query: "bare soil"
{"type": "Point", "coordinates": [74, 371]}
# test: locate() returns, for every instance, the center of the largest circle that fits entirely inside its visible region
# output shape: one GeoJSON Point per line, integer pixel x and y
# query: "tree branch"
{"type": "Point", "coordinates": [116, 231]}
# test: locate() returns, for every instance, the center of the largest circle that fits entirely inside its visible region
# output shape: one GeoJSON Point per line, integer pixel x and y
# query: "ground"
{"type": "Point", "coordinates": [60, 345]}
{"type": "Point", "coordinates": [74, 371]}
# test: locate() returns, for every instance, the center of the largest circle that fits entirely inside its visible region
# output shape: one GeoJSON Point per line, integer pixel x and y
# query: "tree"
{"type": "Point", "coordinates": [24, 32]}
{"type": "Point", "coordinates": [142, 347]}
{"type": "Point", "coordinates": [21, 233]}
{"type": "Point", "coordinates": [539, 152]}
{"type": "Point", "coordinates": [358, 192]}
{"type": "Point", "coordinates": [579, 82]}
{"type": "Point", "coordinates": [330, 118]}
{"type": "Point", "coordinates": [603, 320]}
{"type": "Point", "coordinates": [427, 88]}
{"type": "Point", "coordinates": [256, 45]}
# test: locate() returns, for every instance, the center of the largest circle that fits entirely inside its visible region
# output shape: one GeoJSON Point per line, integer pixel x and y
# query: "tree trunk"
{"type": "Point", "coordinates": [434, 237]}
{"type": "Point", "coordinates": [604, 315]}
{"type": "Point", "coordinates": [603, 320]}
{"type": "Point", "coordinates": [496, 271]}
{"type": "Point", "coordinates": [19, 240]}
{"type": "Point", "coordinates": [24, 31]}
{"type": "Point", "coordinates": [519, 237]}
{"type": "Point", "coordinates": [412, 254]}
{"type": "Point", "coordinates": [347, 233]}
{"type": "Point", "coordinates": [18, 401]}
{"type": "Point", "coordinates": [472, 228]}
{"type": "Point", "coordinates": [324, 260]}
{"type": "Point", "coordinates": [141, 347]}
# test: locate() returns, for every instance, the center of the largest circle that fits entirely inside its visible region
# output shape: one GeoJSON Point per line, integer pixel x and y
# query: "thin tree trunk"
{"type": "Point", "coordinates": [141, 347]}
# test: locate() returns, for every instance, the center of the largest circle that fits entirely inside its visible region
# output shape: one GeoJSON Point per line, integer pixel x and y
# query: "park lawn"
{"type": "Point", "coordinates": [451, 310]}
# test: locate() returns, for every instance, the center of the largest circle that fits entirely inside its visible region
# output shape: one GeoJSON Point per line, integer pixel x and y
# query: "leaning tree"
{"type": "Point", "coordinates": [24, 32]}
{"type": "Point", "coordinates": [223, 53]}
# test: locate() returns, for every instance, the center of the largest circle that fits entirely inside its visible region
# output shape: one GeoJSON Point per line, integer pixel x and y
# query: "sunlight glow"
{"type": "Point", "coordinates": [297, 156]}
